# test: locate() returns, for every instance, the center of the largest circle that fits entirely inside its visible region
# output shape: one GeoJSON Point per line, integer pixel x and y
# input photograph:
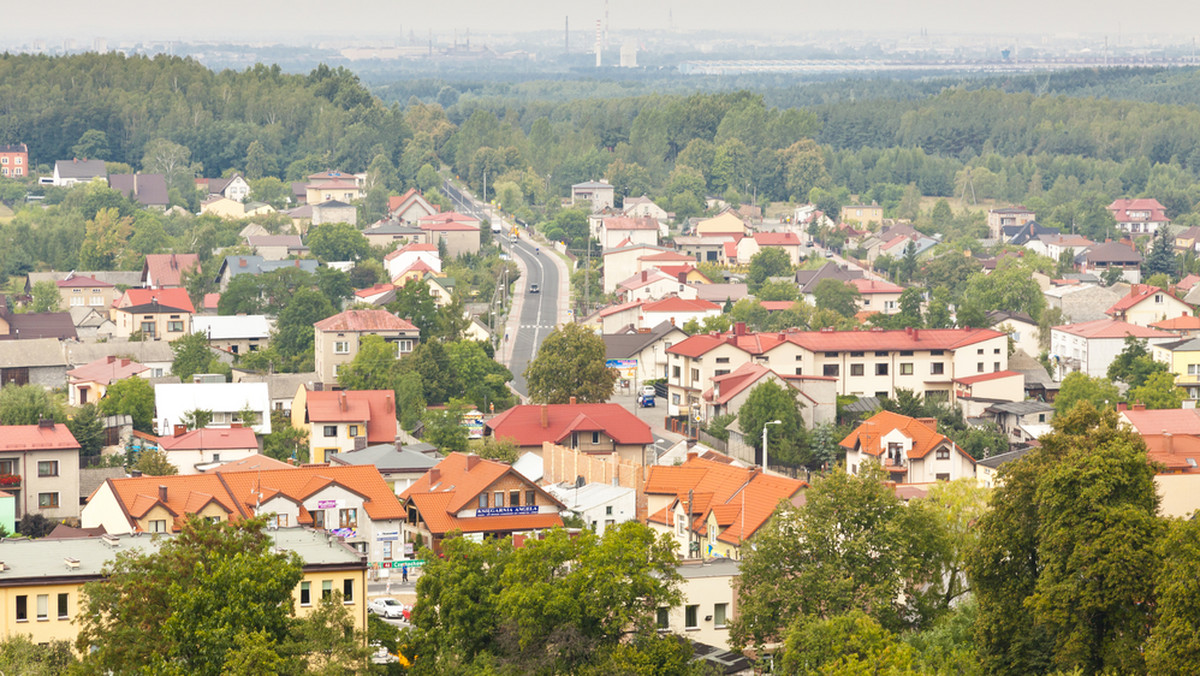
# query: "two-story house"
{"type": "Point", "coordinates": [14, 160]}
{"type": "Point", "coordinates": [165, 271]}
{"type": "Point", "coordinates": [406, 256]}
{"type": "Point", "coordinates": [155, 314]}
{"type": "Point", "coordinates": [87, 384]}
{"type": "Point", "coordinates": [340, 421]}
{"type": "Point", "coordinates": [646, 348]}
{"type": "Point", "coordinates": [244, 404]}
{"type": "Point", "coordinates": [1139, 216]}
{"type": "Point", "coordinates": [693, 363]}
{"type": "Point", "coordinates": [232, 266]}
{"type": "Point", "coordinates": [1091, 346]}
{"type": "Point", "coordinates": [235, 187]}
{"type": "Point", "coordinates": [877, 295]}
{"type": "Point", "coordinates": [1144, 305]}
{"type": "Point", "coordinates": [82, 291]}
{"type": "Point", "coordinates": [1005, 217]}
{"type": "Point", "coordinates": [73, 171]}
{"type": "Point", "coordinates": [410, 207]}
{"type": "Point", "coordinates": [206, 449]}
{"type": "Point", "coordinates": [39, 466]}
{"type": "Point", "coordinates": [600, 429]}
{"type": "Point", "coordinates": [457, 232]}
{"type": "Point", "coordinates": [599, 194]}
{"type": "Point", "coordinates": [910, 449]}
{"type": "Point", "coordinates": [236, 334]}
{"type": "Point", "coordinates": [862, 214]}
{"type": "Point", "coordinates": [480, 498]}
{"type": "Point", "coordinates": [627, 230]}
{"type": "Point", "coordinates": [337, 338]}
{"type": "Point", "coordinates": [327, 186]}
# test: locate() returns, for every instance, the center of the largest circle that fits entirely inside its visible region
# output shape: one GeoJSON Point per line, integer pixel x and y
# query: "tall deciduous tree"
{"type": "Point", "coordinates": [192, 356]}
{"type": "Point", "coordinates": [46, 297]}
{"type": "Point", "coordinates": [27, 405]}
{"type": "Point", "coordinates": [770, 401]}
{"type": "Point", "coordinates": [570, 363]}
{"type": "Point", "coordinates": [1134, 364]}
{"type": "Point", "coordinates": [338, 242]}
{"type": "Point", "coordinates": [106, 238]}
{"type": "Point", "coordinates": [769, 262]}
{"type": "Point", "coordinates": [133, 397]}
{"type": "Point", "coordinates": [836, 296]}
{"type": "Point", "coordinates": [1174, 646]}
{"type": "Point", "coordinates": [1079, 386]}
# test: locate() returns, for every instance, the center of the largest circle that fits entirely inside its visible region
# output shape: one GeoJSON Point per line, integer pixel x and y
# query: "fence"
{"type": "Point", "coordinates": [713, 442]}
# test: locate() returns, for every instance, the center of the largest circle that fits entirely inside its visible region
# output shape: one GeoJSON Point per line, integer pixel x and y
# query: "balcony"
{"type": "Point", "coordinates": [12, 481]}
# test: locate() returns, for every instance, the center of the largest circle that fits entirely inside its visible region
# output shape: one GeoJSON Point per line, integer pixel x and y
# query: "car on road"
{"type": "Point", "coordinates": [386, 607]}
{"type": "Point", "coordinates": [646, 401]}
{"type": "Point", "coordinates": [534, 288]}
{"type": "Point", "coordinates": [828, 254]}
{"type": "Point", "coordinates": [648, 391]}
{"type": "Point", "coordinates": [496, 228]}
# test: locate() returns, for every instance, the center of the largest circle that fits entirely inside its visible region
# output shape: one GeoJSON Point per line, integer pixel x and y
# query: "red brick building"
{"type": "Point", "coordinates": [14, 160]}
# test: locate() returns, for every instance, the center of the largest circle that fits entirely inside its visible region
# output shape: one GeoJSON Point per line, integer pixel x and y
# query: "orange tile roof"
{"type": "Point", "coordinates": [677, 304]}
{"type": "Point", "coordinates": [1137, 294]}
{"type": "Point", "coordinates": [523, 423]}
{"type": "Point", "coordinates": [1111, 328]}
{"type": "Point", "coordinates": [364, 320]}
{"type": "Point", "coordinates": [374, 407]}
{"type": "Point", "coordinates": [762, 496]}
{"type": "Point", "coordinates": [1177, 421]}
{"type": "Point", "coordinates": [253, 463]}
{"type": "Point", "coordinates": [868, 436]}
{"type": "Point", "coordinates": [210, 439]}
{"type": "Point", "coordinates": [177, 298]}
{"type": "Point", "coordinates": [1184, 323]}
{"type": "Point", "coordinates": [701, 344]}
{"type": "Point", "coordinates": [983, 377]}
{"type": "Point", "coordinates": [167, 269]}
{"type": "Point", "coordinates": [81, 281]}
{"type": "Point", "coordinates": [36, 438]}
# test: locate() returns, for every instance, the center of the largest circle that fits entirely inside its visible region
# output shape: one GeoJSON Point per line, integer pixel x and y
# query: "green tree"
{"type": "Point", "coordinates": [338, 242]}
{"type": "Point", "coordinates": [1158, 391]}
{"type": "Point", "coordinates": [20, 655]}
{"type": "Point", "coordinates": [570, 363]}
{"type": "Point", "coordinates": [431, 363]}
{"type": "Point", "coordinates": [836, 296]}
{"type": "Point", "coordinates": [87, 427]}
{"type": "Point", "coordinates": [956, 507]}
{"type": "Point", "coordinates": [908, 264]}
{"type": "Point", "coordinates": [767, 263]}
{"type": "Point", "coordinates": [481, 379]}
{"type": "Point", "coordinates": [937, 313]}
{"type": "Point", "coordinates": [1161, 259]}
{"type": "Point", "coordinates": [45, 297]}
{"type": "Point", "coordinates": [28, 405]}
{"type": "Point", "coordinates": [188, 607]}
{"type": "Point", "coordinates": [444, 428]}
{"type": "Point", "coordinates": [410, 400]}
{"type": "Point", "coordinates": [777, 290]}
{"type": "Point", "coordinates": [173, 161]}
{"type": "Point", "coordinates": [133, 397]}
{"type": "Point", "coordinates": [373, 368]}
{"type": "Point", "coordinates": [107, 235]}
{"type": "Point", "coordinates": [767, 402]}
{"type": "Point", "coordinates": [1134, 365]}
{"type": "Point", "coordinates": [192, 356]}
{"type": "Point", "coordinates": [294, 336]}
{"type": "Point", "coordinates": [153, 462]}
{"type": "Point", "coordinates": [197, 418]}
{"type": "Point", "coordinates": [270, 190]}
{"type": "Point", "coordinates": [852, 643]}
{"type": "Point", "coordinates": [1174, 646]}
{"type": "Point", "coordinates": [93, 144]}
{"type": "Point", "coordinates": [1079, 386]}
{"type": "Point", "coordinates": [327, 641]}
{"type": "Point", "coordinates": [415, 303]}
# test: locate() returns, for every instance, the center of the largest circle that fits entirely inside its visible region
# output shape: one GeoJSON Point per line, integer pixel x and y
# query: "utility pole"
{"type": "Point", "coordinates": [587, 280]}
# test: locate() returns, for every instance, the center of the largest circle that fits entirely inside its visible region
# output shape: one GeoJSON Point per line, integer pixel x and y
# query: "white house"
{"type": "Point", "coordinates": [910, 449]}
{"type": "Point", "coordinates": [205, 449]}
{"type": "Point", "coordinates": [676, 310]}
{"type": "Point", "coordinates": [403, 258]}
{"type": "Point", "coordinates": [1091, 346]}
{"type": "Point", "coordinates": [226, 401]}
{"type": "Point", "coordinates": [600, 505]}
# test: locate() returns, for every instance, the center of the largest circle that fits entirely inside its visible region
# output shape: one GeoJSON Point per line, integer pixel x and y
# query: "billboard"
{"type": "Point", "coordinates": [626, 368]}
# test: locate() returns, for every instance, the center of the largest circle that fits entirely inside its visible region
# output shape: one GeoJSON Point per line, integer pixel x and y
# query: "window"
{"type": "Point", "coordinates": [47, 468]}
{"type": "Point", "coordinates": [720, 372]}
{"type": "Point", "coordinates": [691, 617]}
{"type": "Point", "coordinates": [176, 327]}
{"type": "Point", "coordinates": [937, 368]}
{"type": "Point", "coordinates": [979, 351]}
{"type": "Point", "coordinates": [695, 374]}
{"type": "Point", "coordinates": [483, 503]}
{"type": "Point", "coordinates": [1194, 369]}
{"type": "Point", "coordinates": [936, 353]}
{"type": "Point", "coordinates": [595, 437]}
{"type": "Point", "coordinates": [608, 510]}
{"type": "Point", "coordinates": [43, 607]}
{"type": "Point", "coordinates": [326, 589]}
{"type": "Point", "coordinates": [279, 520]}
{"type": "Point", "coordinates": [675, 372]}
{"type": "Point", "coordinates": [663, 619]}
{"type": "Point", "coordinates": [996, 351]}
{"type": "Point", "coordinates": [63, 614]}
{"type": "Point", "coordinates": [499, 498]}
{"type": "Point", "coordinates": [720, 611]}
{"type": "Point", "coordinates": [979, 367]}
{"type": "Point", "coordinates": [77, 301]}
{"type": "Point", "coordinates": [906, 369]}
{"type": "Point", "coordinates": [831, 354]}
{"type": "Point", "coordinates": [348, 591]}
{"type": "Point", "coordinates": [856, 369]}
{"type": "Point", "coordinates": [318, 516]}
{"type": "Point", "coordinates": [995, 367]}
{"type": "Point", "coordinates": [943, 477]}
{"type": "Point", "coordinates": [1158, 298]}
{"type": "Point", "coordinates": [48, 500]}
{"type": "Point", "coordinates": [341, 347]}
{"type": "Point", "coordinates": [675, 399]}
{"type": "Point", "coordinates": [722, 360]}
{"type": "Point", "coordinates": [148, 329]}
{"type": "Point", "coordinates": [881, 369]}
{"type": "Point", "coordinates": [331, 430]}
{"type": "Point", "coordinates": [943, 454]}
{"type": "Point", "coordinates": [530, 497]}
{"type": "Point", "coordinates": [830, 370]}
{"type": "Point", "coordinates": [387, 550]}
{"type": "Point", "coordinates": [158, 525]}
{"type": "Point", "coordinates": [22, 608]}
{"type": "Point", "coordinates": [906, 353]}
{"type": "Point", "coordinates": [354, 430]}
{"type": "Point", "coordinates": [403, 347]}
{"type": "Point", "coordinates": [799, 371]}
{"type": "Point", "coordinates": [348, 518]}
{"type": "Point", "coordinates": [857, 354]}
{"type": "Point", "coordinates": [306, 593]}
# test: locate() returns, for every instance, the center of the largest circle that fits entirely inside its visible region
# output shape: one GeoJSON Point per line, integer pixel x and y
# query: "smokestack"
{"type": "Point", "coordinates": [545, 416]}
{"type": "Point", "coordinates": [162, 492]}
{"type": "Point", "coordinates": [573, 400]}
{"type": "Point", "coordinates": [472, 461]}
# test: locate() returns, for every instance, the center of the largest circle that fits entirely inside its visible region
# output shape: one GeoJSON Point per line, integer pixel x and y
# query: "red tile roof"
{"type": "Point", "coordinates": [36, 438]}
{"type": "Point", "coordinates": [867, 287]}
{"type": "Point", "coordinates": [701, 344]}
{"type": "Point", "coordinates": [449, 220]}
{"type": "Point", "coordinates": [1165, 421]}
{"type": "Point", "coordinates": [211, 301]}
{"type": "Point", "coordinates": [677, 304]}
{"type": "Point", "coordinates": [253, 463]}
{"type": "Point", "coordinates": [776, 239]}
{"type": "Point", "coordinates": [167, 269]}
{"type": "Point", "coordinates": [1111, 328]}
{"type": "Point", "coordinates": [374, 290]}
{"type": "Point", "coordinates": [364, 320]}
{"type": "Point", "coordinates": [524, 423]}
{"type": "Point", "coordinates": [210, 439]}
{"type": "Point", "coordinates": [630, 223]}
{"type": "Point", "coordinates": [176, 298]}
{"type": "Point", "coordinates": [983, 377]}
{"type": "Point", "coordinates": [667, 256]}
{"type": "Point", "coordinates": [730, 384]}
{"type": "Point", "coordinates": [1137, 294]}
{"type": "Point", "coordinates": [374, 407]}
{"type": "Point", "coordinates": [81, 281]}
{"type": "Point", "coordinates": [1121, 209]}
{"type": "Point", "coordinates": [917, 339]}
{"type": "Point", "coordinates": [1184, 323]}
{"type": "Point", "coordinates": [106, 370]}
{"type": "Point", "coordinates": [620, 307]}
{"type": "Point", "coordinates": [867, 436]}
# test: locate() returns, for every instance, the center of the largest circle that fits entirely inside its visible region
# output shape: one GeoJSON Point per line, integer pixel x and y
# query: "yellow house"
{"type": "Point", "coordinates": [1145, 305]}
{"type": "Point", "coordinates": [726, 223]}
{"type": "Point", "coordinates": [223, 207]}
{"type": "Point", "coordinates": [1182, 357]}
{"type": "Point", "coordinates": [862, 214]}
{"type": "Point", "coordinates": [41, 581]}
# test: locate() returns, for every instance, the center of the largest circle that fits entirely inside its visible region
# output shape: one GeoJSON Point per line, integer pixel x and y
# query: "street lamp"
{"type": "Point", "coordinates": [765, 425]}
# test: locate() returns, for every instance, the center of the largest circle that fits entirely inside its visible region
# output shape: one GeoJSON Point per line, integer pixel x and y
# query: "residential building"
{"type": "Point", "coordinates": [596, 429]}
{"type": "Point", "coordinates": [816, 394]}
{"type": "Point", "coordinates": [644, 207]}
{"type": "Point", "coordinates": [458, 233]}
{"type": "Point", "coordinates": [88, 383]}
{"type": "Point", "coordinates": [706, 248]}
{"type": "Point", "coordinates": [862, 214]}
{"type": "Point", "coordinates": [677, 311]}
{"type": "Point", "coordinates": [973, 394]}
{"type": "Point", "coordinates": [1022, 421]}
{"type": "Point", "coordinates": [1022, 235]}
{"type": "Point", "coordinates": [725, 224]}
{"type": "Point", "coordinates": [1187, 326]}
{"type": "Point", "coordinates": [232, 266]}
{"type": "Point", "coordinates": [281, 387]}
{"type": "Point", "coordinates": [352, 503]}
{"type": "Point", "coordinates": [1021, 329]}
{"type": "Point", "coordinates": [206, 449]}
{"type": "Point", "coordinates": [1083, 302]}
{"type": "Point", "coordinates": [708, 605]}
{"type": "Point", "coordinates": [787, 242]}
{"type": "Point", "coordinates": [1091, 346]}
{"type": "Point", "coordinates": [400, 466]}
{"type": "Point", "coordinates": [910, 449]}
{"type": "Point", "coordinates": [235, 187]}
{"type": "Point", "coordinates": [643, 351]}
{"type": "Point", "coordinates": [616, 318]}
{"type": "Point", "coordinates": [1145, 305]}
{"type": "Point", "coordinates": [115, 278]}
{"type": "Point", "coordinates": [340, 421]}
{"type": "Point", "coordinates": [1188, 239]}
{"type": "Point", "coordinates": [377, 295]}
{"type": "Point", "coordinates": [327, 186]}
{"type": "Point", "coordinates": [276, 247]}
{"type": "Point", "coordinates": [332, 211]}
{"type": "Point", "coordinates": [223, 207]}
{"type": "Point", "coordinates": [14, 160]}
{"type": "Point", "coordinates": [987, 470]}
{"type": "Point", "coordinates": [877, 296]}
{"type": "Point", "coordinates": [1111, 255]}
{"type": "Point", "coordinates": [154, 314]}
{"type": "Point", "coordinates": [1139, 216]}
{"type": "Point", "coordinates": [337, 338]}
{"type": "Point", "coordinates": [625, 263]}
{"type": "Point", "coordinates": [231, 404]}
{"type": "Point", "coordinates": [157, 356]}
{"type": "Point", "coordinates": [70, 172]}
{"type": "Point", "coordinates": [601, 506]}
{"type": "Point", "coordinates": [81, 291]}
{"type": "Point", "coordinates": [236, 334]}
{"type": "Point", "coordinates": [39, 466]}
{"type": "Point", "coordinates": [621, 231]}
{"type": "Point", "coordinates": [406, 256]}
{"type": "Point", "coordinates": [387, 233]}
{"type": "Point", "coordinates": [807, 280]}
{"type": "Point", "coordinates": [480, 498]}
{"type": "Point", "coordinates": [410, 207]}
{"type": "Point", "coordinates": [729, 504]}
{"type": "Point", "coordinates": [1008, 216]}
{"type": "Point", "coordinates": [148, 190]}
{"type": "Point", "coordinates": [599, 194]}
{"type": "Point", "coordinates": [1054, 246]}
{"type": "Point", "coordinates": [1182, 357]}
{"type": "Point", "coordinates": [38, 360]}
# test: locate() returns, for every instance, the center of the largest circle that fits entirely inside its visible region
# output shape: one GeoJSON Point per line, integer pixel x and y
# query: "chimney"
{"type": "Point", "coordinates": [573, 401]}
{"type": "Point", "coordinates": [916, 334]}
{"type": "Point", "coordinates": [389, 404]}
{"type": "Point", "coordinates": [360, 443]}
{"type": "Point", "coordinates": [1170, 439]}
{"type": "Point", "coordinates": [739, 329]}
{"type": "Point", "coordinates": [343, 404]}
{"type": "Point", "coordinates": [1139, 406]}
{"type": "Point", "coordinates": [645, 275]}
{"type": "Point", "coordinates": [162, 492]}
{"type": "Point", "coordinates": [135, 473]}
{"type": "Point", "coordinates": [46, 424]}
{"type": "Point", "coordinates": [472, 461]}
{"type": "Point", "coordinates": [435, 475]}
{"type": "Point", "coordinates": [692, 455]}
{"type": "Point", "coordinates": [242, 262]}
{"type": "Point", "coordinates": [683, 278]}
{"type": "Point", "coordinates": [179, 430]}
{"type": "Point", "coordinates": [931, 423]}
{"type": "Point", "coordinates": [545, 416]}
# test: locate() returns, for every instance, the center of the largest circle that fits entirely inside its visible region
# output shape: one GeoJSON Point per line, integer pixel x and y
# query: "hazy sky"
{"type": "Point", "coordinates": [296, 20]}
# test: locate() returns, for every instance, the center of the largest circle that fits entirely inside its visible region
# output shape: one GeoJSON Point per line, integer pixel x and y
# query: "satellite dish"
{"type": "Point", "coordinates": [579, 482]}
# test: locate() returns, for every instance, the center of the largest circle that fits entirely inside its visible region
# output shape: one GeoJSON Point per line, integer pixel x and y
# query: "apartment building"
{"type": "Point", "coordinates": [337, 338]}
{"type": "Point", "coordinates": [344, 420]}
{"type": "Point", "coordinates": [39, 467]}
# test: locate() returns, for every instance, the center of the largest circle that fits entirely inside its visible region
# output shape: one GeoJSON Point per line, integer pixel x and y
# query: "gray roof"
{"type": "Point", "coordinates": [281, 385]}
{"type": "Point", "coordinates": [145, 352]}
{"type": "Point", "coordinates": [1002, 458]}
{"type": "Point", "coordinates": [392, 228]}
{"type": "Point", "coordinates": [1000, 316]}
{"type": "Point", "coordinates": [148, 189]}
{"type": "Point", "coordinates": [90, 478]}
{"type": "Point", "coordinates": [290, 241]}
{"type": "Point", "coordinates": [45, 558]}
{"type": "Point", "coordinates": [256, 265]}
{"type": "Point", "coordinates": [807, 280]}
{"type": "Point", "coordinates": [124, 278]}
{"type": "Point", "coordinates": [592, 184]}
{"type": "Point", "coordinates": [1110, 252]}
{"type": "Point", "coordinates": [862, 405]}
{"type": "Point", "coordinates": [719, 567]}
{"type": "Point", "coordinates": [625, 345]}
{"type": "Point", "coordinates": [721, 292]}
{"type": "Point", "coordinates": [388, 458]}
{"type": "Point", "coordinates": [32, 352]}
{"type": "Point", "coordinates": [76, 168]}
{"type": "Point", "coordinates": [1021, 407]}
{"type": "Point", "coordinates": [1032, 369]}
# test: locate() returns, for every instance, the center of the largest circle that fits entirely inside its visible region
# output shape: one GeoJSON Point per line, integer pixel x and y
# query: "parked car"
{"type": "Point", "coordinates": [534, 288]}
{"type": "Point", "coordinates": [648, 391]}
{"type": "Point", "coordinates": [646, 401]}
{"type": "Point", "coordinates": [389, 608]}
